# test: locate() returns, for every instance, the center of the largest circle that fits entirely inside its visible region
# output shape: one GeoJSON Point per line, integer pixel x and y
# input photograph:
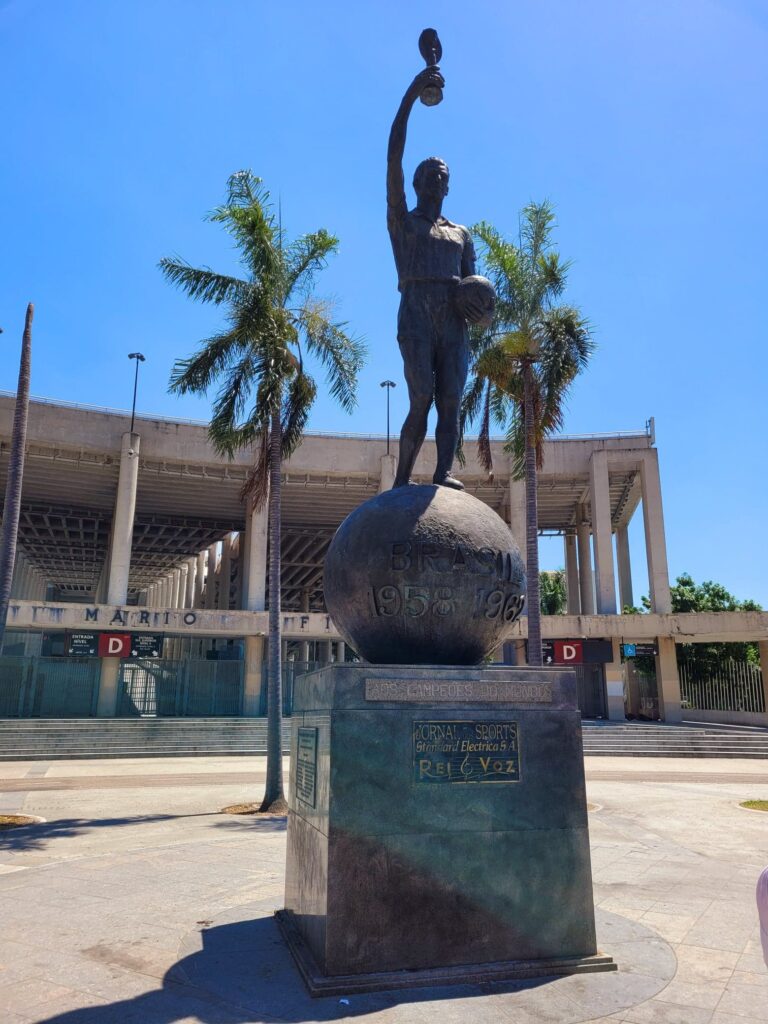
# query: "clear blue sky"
{"type": "Point", "coordinates": [644, 122]}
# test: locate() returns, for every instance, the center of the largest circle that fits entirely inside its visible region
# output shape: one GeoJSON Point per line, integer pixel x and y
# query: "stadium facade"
{"type": "Point", "coordinates": [140, 584]}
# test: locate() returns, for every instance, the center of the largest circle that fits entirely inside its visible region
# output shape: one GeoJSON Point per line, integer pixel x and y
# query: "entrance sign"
{"type": "Point", "coordinates": [146, 645]}
{"type": "Point", "coordinates": [114, 645]}
{"type": "Point", "coordinates": [82, 645]}
{"type": "Point", "coordinates": [568, 652]}
{"type": "Point", "coordinates": [577, 652]}
{"type": "Point", "coordinates": [639, 650]}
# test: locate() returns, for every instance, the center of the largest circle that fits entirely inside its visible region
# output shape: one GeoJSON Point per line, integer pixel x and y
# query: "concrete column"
{"type": "Point", "coordinates": [189, 597]}
{"type": "Point", "coordinates": [601, 533]}
{"type": "Point", "coordinates": [122, 521]}
{"type": "Point", "coordinates": [304, 652]}
{"type": "Point", "coordinates": [24, 580]}
{"type": "Point", "coordinates": [254, 595]}
{"type": "Point", "coordinates": [572, 574]}
{"type": "Point", "coordinates": [668, 680]}
{"type": "Point", "coordinates": [586, 593]}
{"type": "Point", "coordinates": [517, 514]}
{"type": "Point", "coordinates": [15, 577]}
{"type": "Point", "coordinates": [655, 540]}
{"type": "Point", "coordinates": [763, 648]}
{"type": "Point", "coordinates": [254, 658]}
{"type": "Point", "coordinates": [199, 579]}
{"type": "Point", "coordinates": [326, 652]}
{"type": "Point", "coordinates": [388, 470]}
{"type": "Point", "coordinates": [225, 572]}
{"type": "Point", "coordinates": [624, 567]}
{"type": "Point", "coordinates": [614, 685]}
{"type": "Point", "coordinates": [175, 588]}
{"type": "Point", "coordinates": [253, 598]}
{"type": "Point", "coordinates": [119, 561]}
{"type": "Point", "coordinates": [237, 542]}
{"type": "Point", "coordinates": [518, 646]}
{"type": "Point", "coordinates": [106, 706]}
{"type": "Point", "coordinates": [210, 579]}
{"type": "Point", "coordinates": [183, 572]}
{"type": "Point", "coordinates": [341, 649]}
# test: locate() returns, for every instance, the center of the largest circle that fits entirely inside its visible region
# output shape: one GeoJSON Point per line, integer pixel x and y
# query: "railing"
{"type": "Point", "coordinates": [613, 434]}
{"type": "Point", "coordinates": [728, 686]}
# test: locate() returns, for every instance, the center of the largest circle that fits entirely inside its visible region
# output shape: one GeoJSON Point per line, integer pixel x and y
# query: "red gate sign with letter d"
{"type": "Point", "coordinates": [114, 645]}
{"type": "Point", "coordinates": [568, 652]}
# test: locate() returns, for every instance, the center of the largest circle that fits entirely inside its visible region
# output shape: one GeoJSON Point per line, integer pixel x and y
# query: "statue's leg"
{"type": "Point", "coordinates": [414, 333]}
{"type": "Point", "coordinates": [452, 362]}
{"type": "Point", "coordinates": [417, 368]}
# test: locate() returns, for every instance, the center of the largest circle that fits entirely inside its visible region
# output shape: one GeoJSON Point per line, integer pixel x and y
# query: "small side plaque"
{"type": "Point", "coordinates": [445, 752]}
{"type": "Point", "coordinates": [306, 766]}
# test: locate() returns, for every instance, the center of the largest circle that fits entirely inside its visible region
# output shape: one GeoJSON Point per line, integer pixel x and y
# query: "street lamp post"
{"type": "Point", "coordinates": [139, 359]}
{"type": "Point", "coordinates": [388, 384]}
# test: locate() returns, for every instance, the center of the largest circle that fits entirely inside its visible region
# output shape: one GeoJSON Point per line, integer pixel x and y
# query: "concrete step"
{"type": "Point", "coordinates": [52, 739]}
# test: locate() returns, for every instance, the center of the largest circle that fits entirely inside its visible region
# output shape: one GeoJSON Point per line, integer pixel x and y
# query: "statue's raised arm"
{"type": "Point", "coordinates": [430, 77]}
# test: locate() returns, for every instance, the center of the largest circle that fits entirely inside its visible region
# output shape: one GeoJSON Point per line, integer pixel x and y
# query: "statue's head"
{"type": "Point", "coordinates": [430, 178]}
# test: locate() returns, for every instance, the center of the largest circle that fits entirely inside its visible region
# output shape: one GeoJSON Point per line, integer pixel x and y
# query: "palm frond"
{"type": "Point", "coordinates": [248, 216]}
{"type": "Point", "coordinates": [255, 490]}
{"type": "Point", "coordinates": [471, 399]}
{"type": "Point", "coordinates": [297, 404]}
{"type": "Point", "coordinates": [484, 453]}
{"type": "Point", "coordinates": [340, 353]}
{"type": "Point", "coordinates": [196, 374]}
{"type": "Point", "coordinates": [203, 283]}
{"type": "Point", "coordinates": [305, 256]}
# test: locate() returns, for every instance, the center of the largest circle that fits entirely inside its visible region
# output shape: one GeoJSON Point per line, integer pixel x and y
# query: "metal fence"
{"type": "Point", "coordinates": [33, 687]}
{"type": "Point", "coordinates": [727, 685]}
{"type": "Point", "coordinates": [291, 672]}
{"type": "Point", "coordinates": [159, 687]}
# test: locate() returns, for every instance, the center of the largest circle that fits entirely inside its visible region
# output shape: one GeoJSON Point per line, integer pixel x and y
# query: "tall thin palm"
{"type": "Point", "coordinates": [524, 364]}
{"type": "Point", "coordinates": [264, 391]}
{"type": "Point", "coordinates": [12, 505]}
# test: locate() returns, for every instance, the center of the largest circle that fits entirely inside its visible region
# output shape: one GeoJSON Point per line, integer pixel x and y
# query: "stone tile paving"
{"type": "Point", "coordinates": [147, 906]}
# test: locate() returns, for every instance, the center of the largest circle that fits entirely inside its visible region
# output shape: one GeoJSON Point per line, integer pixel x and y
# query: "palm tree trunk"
{"type": "Point", "coordinates": [274, 795]}
{"type": "Point", "coordinates": [531, 521]}
{"type": "Point", "coordinates": [12, 506]}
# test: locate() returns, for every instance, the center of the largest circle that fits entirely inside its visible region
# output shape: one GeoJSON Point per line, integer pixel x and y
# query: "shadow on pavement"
{"type": "Point", "coordinates": [244, 974]}
{"type": "Point", "coordinates": [253, 823]}
{"type": "Point", "coordinates": [35, 837]}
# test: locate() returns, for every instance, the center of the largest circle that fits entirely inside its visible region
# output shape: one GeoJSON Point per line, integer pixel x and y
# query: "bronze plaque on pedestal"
{"type": "Point", "coordinates": [476, 751]}
{"type": "Point", "coordinates": [306, 766]}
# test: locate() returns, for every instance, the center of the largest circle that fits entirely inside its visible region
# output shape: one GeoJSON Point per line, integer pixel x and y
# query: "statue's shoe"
{"type": "Point", "coordinates": [449, 480]}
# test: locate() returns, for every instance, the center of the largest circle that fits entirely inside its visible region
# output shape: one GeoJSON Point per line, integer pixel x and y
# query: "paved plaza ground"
{"type": "Point", "coordinates": [136, 901]}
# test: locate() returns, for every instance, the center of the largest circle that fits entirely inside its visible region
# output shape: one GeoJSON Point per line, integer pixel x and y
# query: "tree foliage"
{"type": "Point", "coordinates": [553, 598]}
{"type": "Point", "coordinates": [530, 329]}
{"type": "Point", "coordinates": [272, 321]}
{"type": "Point", "coordinates": [689, 596]}
{"type": "Point", "coordinates": [523, 364]}
{"type": "Point", "coordinates": [257, 363]}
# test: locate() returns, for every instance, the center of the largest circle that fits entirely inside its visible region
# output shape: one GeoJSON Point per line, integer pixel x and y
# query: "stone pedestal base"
{"type": "Point", "coordinates": [438, 825]}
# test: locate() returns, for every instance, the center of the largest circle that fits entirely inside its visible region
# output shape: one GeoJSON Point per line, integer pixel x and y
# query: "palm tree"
{"type": "Point", "coordinates": [264, 391]}
{"type": "Point", "coordinates": [12, 505]}
{"type": "Point", "coordinates": [524, 364]}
